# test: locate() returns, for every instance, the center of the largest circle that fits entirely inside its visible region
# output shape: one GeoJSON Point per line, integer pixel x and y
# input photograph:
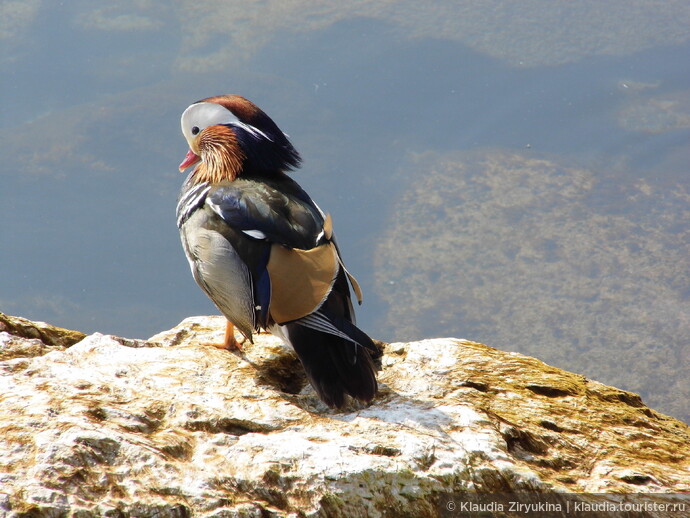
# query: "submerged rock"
{"type": "Point", "coordinates": [547, 259]}
{"type": "Point", "coordinates": [531, 33]}
{"type": "Point", "coordinates": [173, 427]}
{"type": "Point", "coordinates": [655, 113]}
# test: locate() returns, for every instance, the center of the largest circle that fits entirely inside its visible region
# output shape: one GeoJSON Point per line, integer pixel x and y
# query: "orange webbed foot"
{"type": "Point", "coordinates": [229, 343]}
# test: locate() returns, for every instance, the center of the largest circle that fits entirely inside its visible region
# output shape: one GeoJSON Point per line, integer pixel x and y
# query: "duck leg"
{"type": "Point", "coordinates": [230, 342]}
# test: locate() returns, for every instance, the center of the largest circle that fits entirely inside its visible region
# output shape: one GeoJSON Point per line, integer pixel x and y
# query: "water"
{"type": "Point", "coordinates": [374, 97]}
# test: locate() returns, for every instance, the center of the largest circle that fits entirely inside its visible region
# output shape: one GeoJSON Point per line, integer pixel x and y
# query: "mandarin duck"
{"type": "Point", "coordinates": [264, 252]}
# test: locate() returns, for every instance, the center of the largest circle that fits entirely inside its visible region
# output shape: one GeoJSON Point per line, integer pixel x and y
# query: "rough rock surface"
{"type": "Point", "coordinates": [24, 338]}
{"type": "Point", "coordinates": [173, 427]}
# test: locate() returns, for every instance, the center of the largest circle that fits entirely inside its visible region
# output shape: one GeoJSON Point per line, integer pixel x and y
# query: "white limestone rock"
{"type": "Point", "coordinates": [174, 427]}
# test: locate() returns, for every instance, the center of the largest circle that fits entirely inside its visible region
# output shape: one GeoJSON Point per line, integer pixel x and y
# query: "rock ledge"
{"type": "Point", "coordinates": [173, 427]}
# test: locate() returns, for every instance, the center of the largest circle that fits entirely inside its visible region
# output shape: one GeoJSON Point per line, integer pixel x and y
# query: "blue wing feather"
{"type": "Point", "coordinates": [280, 216]}
{"type": "Point", "coordinates": [263, 291]}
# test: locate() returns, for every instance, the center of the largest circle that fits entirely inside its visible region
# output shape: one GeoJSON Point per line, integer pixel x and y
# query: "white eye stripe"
{"type": "Point", "coordinates": [204, 114]}
{"type": "Point", "coordinates": [256, 132]}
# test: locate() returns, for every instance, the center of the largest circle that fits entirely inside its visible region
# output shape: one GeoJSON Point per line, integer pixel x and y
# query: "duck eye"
{"type": "Point", "coordinates": [195, 130]}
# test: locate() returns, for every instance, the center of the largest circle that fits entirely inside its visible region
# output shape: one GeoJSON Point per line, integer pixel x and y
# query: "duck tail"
{"type": "Point", "coordinates": [336, 364]}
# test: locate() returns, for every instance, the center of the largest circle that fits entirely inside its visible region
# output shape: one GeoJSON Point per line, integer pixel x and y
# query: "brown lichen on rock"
{"type": "Point", "coordinates": [179, 429]}
{"type": "Point", "coordinates": [42, 337]}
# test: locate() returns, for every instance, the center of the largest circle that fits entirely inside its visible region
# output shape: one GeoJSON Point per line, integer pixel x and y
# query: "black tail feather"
{"type": "Point", "coordinates": [335, 366]}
